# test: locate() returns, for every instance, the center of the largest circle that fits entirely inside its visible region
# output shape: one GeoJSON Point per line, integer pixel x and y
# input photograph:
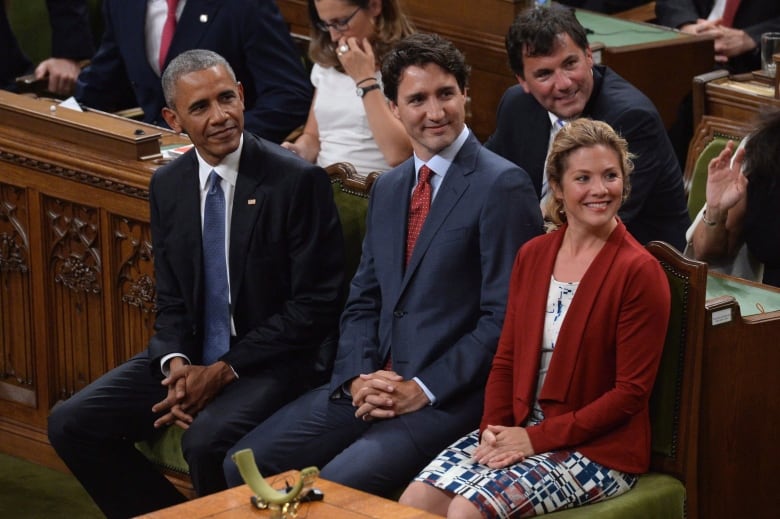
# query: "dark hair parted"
{"type": "Point", "coordinates": [186, 62]}
{"type": "Point", "coordinates": [420, 50]}
{"type": "Point", "coordinates": [582, 133]}
{"type": "Point", "coordinates": [390, 26]}
{"type": "Point", "coordinates": [534, 33]}
{"type": "Point", "coordinates": [762, 152]}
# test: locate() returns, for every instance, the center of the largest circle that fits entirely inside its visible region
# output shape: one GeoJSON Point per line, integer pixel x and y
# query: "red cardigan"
{"type": "Point", "coordinates": [595, 396]}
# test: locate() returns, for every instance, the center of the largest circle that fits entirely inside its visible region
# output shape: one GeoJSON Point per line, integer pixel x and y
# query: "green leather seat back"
{"type": "Point", "coordinates": [697, 188]}
{"type": "Point", "coordinates": [165, 451]}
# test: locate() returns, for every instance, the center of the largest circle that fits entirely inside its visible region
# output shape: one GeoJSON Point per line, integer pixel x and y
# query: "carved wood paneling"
{"type": "Point", "coordinates": [72, 247]}
{"type": "Point", "coordinates": [135, 301]}
{"type": "Point", "coordinates": [17, 363]}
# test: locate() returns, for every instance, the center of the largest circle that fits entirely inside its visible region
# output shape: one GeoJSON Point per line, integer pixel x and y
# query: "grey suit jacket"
{"type": "Point", "coordinates": [442, 314]}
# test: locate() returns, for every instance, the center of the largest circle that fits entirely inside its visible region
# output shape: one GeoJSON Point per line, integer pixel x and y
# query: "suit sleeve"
{"type": "Point", "coordinates": [315, 254]}
{"type": "Point", "coordinates": [104, 84]}
{"type": "Point", "coordinates": [509, 217]}
{"type": "Point", "coordinates": [282, 92]}
{"type": "Point", "coordinates": [639, 344]}
{"type": "Point", "coordinates": [674, 13]}
{"type": "Point", "coordinates": [71, 36]}
{"type": "Point", "coordinates": [175, 331]}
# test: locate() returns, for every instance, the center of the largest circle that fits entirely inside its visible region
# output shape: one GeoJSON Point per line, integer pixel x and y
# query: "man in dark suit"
{"type": "Point", "coordinates": [424, 313]}
{"type": "Point", "coordinates": [736, 31]}
{"type": "Point", "coordinates": [71, 41]}
{"type": "Point", "coordinates": [548, 51]}
{"type": "Point", "coordinates": [284, 271]}
{"type": "Point", "coordinates": [250, 34]}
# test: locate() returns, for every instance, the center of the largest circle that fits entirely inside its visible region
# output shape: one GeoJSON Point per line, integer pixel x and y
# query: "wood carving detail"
{"type": "Point", "coordinates": [74, 252]}
{"type": "Point", "coordinates": [136, 283]}
{"type": "Point", "coordinates": [13, 236]}
{"type": "Point", "coordinates": [82, 177]}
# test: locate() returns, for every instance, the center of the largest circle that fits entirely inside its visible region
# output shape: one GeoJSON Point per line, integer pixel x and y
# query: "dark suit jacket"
{"type": "Point", "coordinates": [753, 16]}
{"type": "Point", "coordinates": [657, 207]}
{"type": "Point", "coordinates": [70, 38]}
{"type": "Point", "coordinates": [286, 259]}
{"type": "Point", "coordinates": [250, 34]}
{"type": "Point", "coordinates": [442, 315]}
{"type": "Point", "coordinates": [596, 392]}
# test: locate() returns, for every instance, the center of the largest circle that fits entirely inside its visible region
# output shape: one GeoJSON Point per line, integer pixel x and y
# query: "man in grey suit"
{"type": "Point", "coordinates": [424, 312]}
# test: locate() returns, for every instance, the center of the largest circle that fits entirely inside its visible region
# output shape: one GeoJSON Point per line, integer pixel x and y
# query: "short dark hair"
{"type": "Point", "coordinates": [186, 62]}
{"type": "Point", "coordinates": [421, 49]}
{"type": "Point", "coordinates": [534, 33]}
{"type": "Point", "coordinates": [762, 152]}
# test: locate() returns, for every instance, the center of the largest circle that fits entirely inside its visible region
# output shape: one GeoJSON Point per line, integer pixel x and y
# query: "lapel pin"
{"type": "Point", "coordinates": [204, 18]}
{"type": "Point", "coordinates": [251, 201]}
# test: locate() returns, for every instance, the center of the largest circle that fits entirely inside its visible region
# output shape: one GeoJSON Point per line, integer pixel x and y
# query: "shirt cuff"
{"type": "Point", "coordinates": [425, 389]}
{"type": "Point", "coordinates": [166, 360]}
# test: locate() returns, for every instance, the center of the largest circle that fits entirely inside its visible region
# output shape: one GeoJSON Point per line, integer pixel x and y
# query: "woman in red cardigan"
{"type": "Point", "coordinates": [566, 406]}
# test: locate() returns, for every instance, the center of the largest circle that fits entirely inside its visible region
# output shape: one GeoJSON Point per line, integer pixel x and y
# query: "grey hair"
{"type": "Point", "coordinates": [187, 62]}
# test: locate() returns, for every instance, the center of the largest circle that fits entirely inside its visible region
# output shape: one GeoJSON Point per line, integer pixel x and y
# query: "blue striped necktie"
{"type": "Point", "coordinates": [216, 310]}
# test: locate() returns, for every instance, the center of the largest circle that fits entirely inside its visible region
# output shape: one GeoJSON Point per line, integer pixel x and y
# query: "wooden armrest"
{"type": "Point", "coordinates": [640, 13]}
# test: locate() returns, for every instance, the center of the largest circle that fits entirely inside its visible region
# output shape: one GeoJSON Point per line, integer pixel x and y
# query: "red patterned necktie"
{"type": "Point", "coordinates": [167, 33]}
{"type": "Point", "coordinates": [418, 209]}
{"type": "Point", "coordinates": [729, 12]}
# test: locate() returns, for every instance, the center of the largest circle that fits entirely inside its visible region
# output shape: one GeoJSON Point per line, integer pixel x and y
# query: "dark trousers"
{"type": "Point", "coordinates": [378, 457]}
{"type": "Point", "coordinates": [95, 430]}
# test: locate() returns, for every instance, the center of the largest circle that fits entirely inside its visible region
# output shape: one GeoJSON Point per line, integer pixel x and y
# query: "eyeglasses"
{"type": "Point", "coordinates": [338, 25]}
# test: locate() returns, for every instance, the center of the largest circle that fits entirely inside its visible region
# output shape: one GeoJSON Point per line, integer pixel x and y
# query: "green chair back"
{"type": "Point", "coordinates": [698, 183]}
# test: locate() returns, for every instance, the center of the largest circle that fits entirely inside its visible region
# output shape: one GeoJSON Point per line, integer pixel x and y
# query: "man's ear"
{"type": "Point", "coordinates": [240, 88]}
{"type": "Point", "coordinates": [394, 109]}
{"type": "Point", "coordinates": [172, 119]}
{"type": "Point", "coordinates": [522, 82]}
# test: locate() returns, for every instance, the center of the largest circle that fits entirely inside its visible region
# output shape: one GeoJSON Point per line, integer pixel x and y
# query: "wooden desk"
{"type": "Point", "coordinates": [739, 98]}
{"type": "Point", "coordinates": [340, 502]}
{"type": "Point", "coordinates": [661, 62]}
{"type": "Point", "coordinates": [76, 276]}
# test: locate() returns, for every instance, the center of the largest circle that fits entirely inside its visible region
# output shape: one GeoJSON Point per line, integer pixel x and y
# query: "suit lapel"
{"type": "Point", "coordinates": [195, 20]}
{"type": "Point", "coordinates": [569, 341]}
{"type": "Point", "coordinates": [539, 141]}
{"type": "Point", "coordinates": [186, 250]}
{"type": "Point", "coordinates": [247, 201]}
{"type": "Point", "coordinates": [451, 190]}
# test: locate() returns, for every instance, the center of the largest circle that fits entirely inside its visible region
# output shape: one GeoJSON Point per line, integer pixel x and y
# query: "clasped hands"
{"type": "Point", "coordinates": [385, 394]}
{"type": "Point", "coordinates": [729, 42]}
{"type": "Point", "coordinates": [502, 446]}
{"type": "Point", "coordinates": [190, 388]}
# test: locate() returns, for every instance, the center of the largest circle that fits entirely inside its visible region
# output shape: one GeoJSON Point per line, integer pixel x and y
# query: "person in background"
{"type": "Point", "coordinates": [566, 418]}
{"type": "Point", "coordinates": [740, 216]}
{"type": "Point", "coordinates": [142, 36]}
{"type": "Point", "coordinates": [735, 25]}
{"type": "Point", "coordinates": [249, 267]}
{"type": "Point", "coordinates": [71, 42]}
{"type": "Point", "coordinates": [350, 120]}
{"type": "Point", "coordinates": [548, 51]}
{"type": "Point", "coordinates": [426, 305]}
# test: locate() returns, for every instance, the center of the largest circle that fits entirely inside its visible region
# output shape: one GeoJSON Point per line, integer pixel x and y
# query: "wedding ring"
{"type": "Point", "coordinates": [343, 49]}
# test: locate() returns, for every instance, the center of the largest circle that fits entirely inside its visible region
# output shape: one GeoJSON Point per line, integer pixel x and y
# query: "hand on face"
{"type": "Point", "coordinates": [358, 60]}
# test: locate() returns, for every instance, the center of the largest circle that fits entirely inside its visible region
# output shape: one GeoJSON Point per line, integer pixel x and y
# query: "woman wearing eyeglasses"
{"type": "Point", "coordinates": [349, 119]}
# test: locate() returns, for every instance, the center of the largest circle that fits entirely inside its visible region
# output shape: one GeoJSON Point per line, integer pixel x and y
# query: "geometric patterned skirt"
{"type": "Point", "coordinates": [540, 484]}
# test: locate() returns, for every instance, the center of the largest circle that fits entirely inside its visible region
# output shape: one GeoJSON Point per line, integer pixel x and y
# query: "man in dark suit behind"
{"type": "Point", "coordinates": [736, 32]}
{"type": "Point", "coordinates": [250, 34]}
{"type": "Point", "coordinates": [548, 51]}
{"type": "Point", "coordinates": [71, 42]}
{"type": "Point", "coordinates": [284, 272]}
{"type": "Point", "coordinates": [422, 319]}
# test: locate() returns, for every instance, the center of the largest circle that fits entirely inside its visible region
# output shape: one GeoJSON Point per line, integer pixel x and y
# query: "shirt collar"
{"type": "Point", "coordinates": [441, 162]}
{"type": "Point", "coordinates": [227, 168]}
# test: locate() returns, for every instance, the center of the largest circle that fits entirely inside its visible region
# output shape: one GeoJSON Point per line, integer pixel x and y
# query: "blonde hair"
{"type": "Point", "coordinates": [582, 133]}
{"type": "Point", "coordinates": [391, 26]}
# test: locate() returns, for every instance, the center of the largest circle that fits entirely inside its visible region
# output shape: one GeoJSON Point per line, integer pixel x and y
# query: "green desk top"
{"type": "Point", "coordinates": [752, 300]}
{"type": "Point", "coordinates": [614, 32]}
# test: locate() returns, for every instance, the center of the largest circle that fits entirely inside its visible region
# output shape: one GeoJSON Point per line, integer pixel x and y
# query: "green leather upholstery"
{"type": "Point", "coordinates": [697, 188]}
{"type": "Point", "coordinates": [350, 193]}
{"type": "Point", "coordinates": [661, 494]}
